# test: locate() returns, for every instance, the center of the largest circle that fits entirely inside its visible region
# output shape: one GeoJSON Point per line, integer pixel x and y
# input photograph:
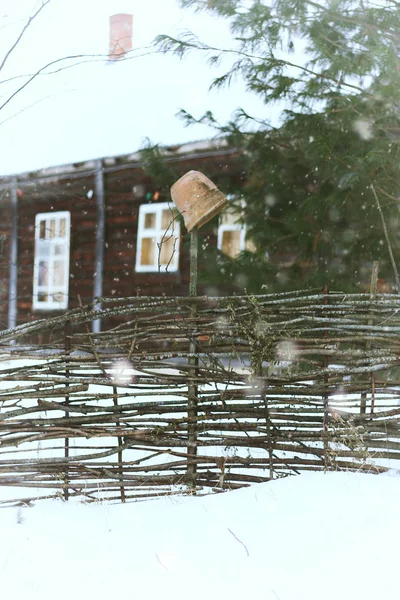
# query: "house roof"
{"type": "Point", "coordinates": [197, 149]}
{"type": "Point", "coordinates": [87, 106]}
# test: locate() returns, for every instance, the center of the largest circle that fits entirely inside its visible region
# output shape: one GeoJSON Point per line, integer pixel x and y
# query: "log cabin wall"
{"type": "Point", "coordinates": [74, 190]}
{"type": "Point", "coordinates": [53, 196]}
{"type": "Point", "coordinates": [122, 209]}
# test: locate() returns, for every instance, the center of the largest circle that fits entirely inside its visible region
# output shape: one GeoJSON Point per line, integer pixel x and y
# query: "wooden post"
{"type": "Point", "coordinates": [120, 442]}
{"type": "Point", "coordinates": [326, 396]}
{"type": "Point", "coordinates": [268, 423]}
{"type": "Point", "coordinates": [193, 363]}
{"type": "Point", "coordinates": [372, 295]}
{"type": "Point", "coordinates": [100, 234]}
{"type": "Point", "coordinates": [13, 273]}
{"type": "Point", "coordinates": [67, 332]}
{"type": "Point", "coordinates": [198, 200]}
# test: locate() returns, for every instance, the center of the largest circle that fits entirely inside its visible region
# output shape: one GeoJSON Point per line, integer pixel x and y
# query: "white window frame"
{"type": "Point", "coordinates": [235, 226]}
{"type": "Point", "coordinates": [46, 248]}
{"type": "Point", "coordinates": [158, 233]}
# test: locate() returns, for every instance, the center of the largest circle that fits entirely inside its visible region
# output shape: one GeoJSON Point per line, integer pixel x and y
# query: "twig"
{"type": "Point", "coordinates": [25, 27]}
{"type": "Point", "coordinates": [240, 541]}
{"type": "Point", "coordinates": [389, 245]}
{"type": "Point", "coordinates": [161, 563]}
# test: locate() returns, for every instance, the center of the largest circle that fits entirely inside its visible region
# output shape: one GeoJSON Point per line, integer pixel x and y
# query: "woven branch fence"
{"type": "Point", "coordinates": [280, 384]}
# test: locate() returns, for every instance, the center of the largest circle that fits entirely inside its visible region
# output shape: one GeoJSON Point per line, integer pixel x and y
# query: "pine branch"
{"type": "Point", "coordinates": [179, 47]}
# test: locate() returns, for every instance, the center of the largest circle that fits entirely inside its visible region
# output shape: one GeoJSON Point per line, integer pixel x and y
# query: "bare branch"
{"type": "Point", "coordinates": [389, 245]}
{"type": "Point", "coordinates": [240, 541]}
{"type": "Point", "coordinates": [27, 24]}
{"type": "Point", "coordinates": [95, 57]}
{"type": "Point", "coordinates": [25, 108]}
{"type": "Point", "coordinates": [92, 58]}
{"type": "Point", "coordinates": [165, 239]}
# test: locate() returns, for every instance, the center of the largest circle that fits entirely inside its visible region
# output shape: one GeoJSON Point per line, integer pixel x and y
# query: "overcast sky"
{"type": "Point", "coordinates": [100, 109]}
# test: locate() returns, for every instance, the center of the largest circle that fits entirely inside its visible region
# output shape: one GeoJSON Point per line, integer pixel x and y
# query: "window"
{"type": "Point", "coordinates": [51, 265]}
{"type": "Point", "coordinates": [158, 238]}
{"type": "Point", "coordinates": [232, 234]}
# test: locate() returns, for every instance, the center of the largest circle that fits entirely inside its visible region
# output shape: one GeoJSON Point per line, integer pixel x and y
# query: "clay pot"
{"type": "Point", "coordinates": [197, 198]}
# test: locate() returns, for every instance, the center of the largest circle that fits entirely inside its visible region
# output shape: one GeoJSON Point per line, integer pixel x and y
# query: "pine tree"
{"type": "Point", "coordinates": [323, 187]}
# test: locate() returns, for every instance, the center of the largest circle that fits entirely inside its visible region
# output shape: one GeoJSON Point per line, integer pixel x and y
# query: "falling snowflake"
{"type": "Point", "coordinates": [122, 372]}
{"type": "Point", "coordinates": [363, 128]}
{"type": "Point", "coordinates": [287, 350]}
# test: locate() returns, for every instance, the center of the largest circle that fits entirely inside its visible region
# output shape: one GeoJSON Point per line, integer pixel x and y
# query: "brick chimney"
{"type": "Point", "coordinates": [120, 35]}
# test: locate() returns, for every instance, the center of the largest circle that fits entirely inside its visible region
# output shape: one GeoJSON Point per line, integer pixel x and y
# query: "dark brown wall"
{"type": "Point", "coordinates": [68, 195]}
{"type": "Point", "coordinates": [121, 208]}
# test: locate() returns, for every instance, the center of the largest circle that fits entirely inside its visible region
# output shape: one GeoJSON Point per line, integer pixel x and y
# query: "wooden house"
{"type": "Point", "coordinates": [93, 228]}
{"type": "Point", "coordinates": [72, 234]}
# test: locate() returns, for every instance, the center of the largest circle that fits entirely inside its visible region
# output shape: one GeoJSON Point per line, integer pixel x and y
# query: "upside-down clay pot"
{"type": "Point", "coordinates": [197, 198]}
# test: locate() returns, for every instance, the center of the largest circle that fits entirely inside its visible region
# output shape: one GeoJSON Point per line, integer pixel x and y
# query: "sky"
{"type": "Point", "coordinates": [98, 109]}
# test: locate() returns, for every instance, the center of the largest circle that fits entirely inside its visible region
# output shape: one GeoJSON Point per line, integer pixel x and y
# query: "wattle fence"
{"type": "Point", "coordinates": [179, 395]}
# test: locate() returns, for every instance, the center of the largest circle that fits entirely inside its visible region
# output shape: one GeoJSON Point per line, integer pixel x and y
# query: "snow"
{"type": "Point", "coordinates": [308, 537]}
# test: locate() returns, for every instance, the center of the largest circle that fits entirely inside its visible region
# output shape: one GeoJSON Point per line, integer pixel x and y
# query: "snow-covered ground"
{"type": "Point", "coordinates": [311, 537]}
